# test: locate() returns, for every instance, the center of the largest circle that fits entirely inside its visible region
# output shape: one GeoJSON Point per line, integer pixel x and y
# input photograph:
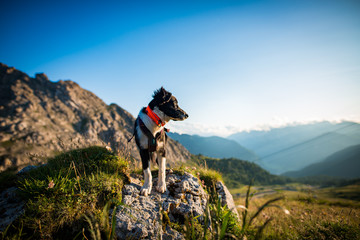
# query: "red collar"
{"type": "Point", "coordinates": [154, 117]}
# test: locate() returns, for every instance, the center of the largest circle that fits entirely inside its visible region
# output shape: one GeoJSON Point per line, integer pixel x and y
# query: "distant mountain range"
{"type": "Point", "coordinates": [39, 117]}
{"type": "Point", "coordinates": [342, 164]}
{"type": "Point", "coordinates": [237, 172]}
{"type": "Point", "coordinates": [278, 150]}
{"type": "Point", "coordinates": [293, 148]}
{"type": "Point", "coordinates": [216, 147]}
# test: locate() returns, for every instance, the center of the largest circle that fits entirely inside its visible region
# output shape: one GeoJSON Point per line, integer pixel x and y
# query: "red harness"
{"type": "Point", "coordinates": [154, 117]}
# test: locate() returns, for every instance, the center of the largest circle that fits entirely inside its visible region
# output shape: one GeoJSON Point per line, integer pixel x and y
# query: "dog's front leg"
{"type": "Point", "coordinates": [161, 185]}
{"type": "Point", "coordinates": [145, 158]}
{"type": "Point", "coordinates": [146, 188]}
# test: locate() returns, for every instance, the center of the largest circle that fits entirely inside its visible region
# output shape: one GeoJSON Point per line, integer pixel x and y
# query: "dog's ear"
{"type": "Point", "coordinates": [167, 95]}
{"type": "Point", "coordinates": [162, 96]}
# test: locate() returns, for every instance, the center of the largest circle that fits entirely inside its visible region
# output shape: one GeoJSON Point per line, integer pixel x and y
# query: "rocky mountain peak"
{"type": "Point", "coordinates": [41, 76]}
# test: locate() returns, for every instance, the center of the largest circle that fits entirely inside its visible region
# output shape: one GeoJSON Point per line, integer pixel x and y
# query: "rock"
{"type": "Point", "coordinates": [18, 109]}
{"type": "Point", "coordinates": [41, 76]}
{"type": "Point", "coordinates": [140, 216]}
{"type": "Point", "coordinates": [21, 126]}
{"type": "Point", "coordinates": [226, 197]}
{"type": "Point", "coordinates": [11, 207]}
{"type": "Point", "coordinates": [28, 168]}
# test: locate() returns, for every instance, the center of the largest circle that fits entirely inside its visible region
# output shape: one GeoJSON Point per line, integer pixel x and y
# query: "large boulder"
{"type": "Point", "coordinates": [142, 217]}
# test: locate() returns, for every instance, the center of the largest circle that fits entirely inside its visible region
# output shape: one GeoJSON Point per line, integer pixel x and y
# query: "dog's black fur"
{"type": "Point", "coordinates": [151, 138]}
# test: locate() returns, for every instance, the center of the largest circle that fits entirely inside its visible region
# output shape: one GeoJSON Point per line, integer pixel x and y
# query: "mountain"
{"type": "Point", "coordinates": [292, 148]}
{"type": "Point", "coordinates": [276, 139]}
{"type": "Point", "coordinates": [39, 117]}
{"type": "Point", "coordinates": [343, 164]}
{"type": "Point", "coordinates": [216, 147]}
{"type": "Point", "coordinates": [238, 172]}
{"type": "Point", "coordinates": [306, 153]}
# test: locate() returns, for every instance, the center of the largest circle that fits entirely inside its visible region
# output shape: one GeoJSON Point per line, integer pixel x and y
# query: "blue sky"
{"type": "Point", "coordinates": [233, 65]}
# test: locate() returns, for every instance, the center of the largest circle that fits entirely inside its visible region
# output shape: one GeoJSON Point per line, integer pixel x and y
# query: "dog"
{"type": "Point", "coordinates": [150, 135]}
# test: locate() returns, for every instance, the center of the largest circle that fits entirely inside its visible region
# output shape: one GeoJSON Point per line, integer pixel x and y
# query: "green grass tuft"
{"type": "Point", "coordinates": [72, 185]}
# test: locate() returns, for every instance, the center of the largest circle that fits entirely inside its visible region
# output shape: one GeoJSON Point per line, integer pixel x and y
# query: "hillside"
{"type": "Point", "coordinates": [77, 191]}
{"type": "Point", "coordinates": [39, 117]}
{"type": "Point", "coordinates": [343, 164]}
{"type": "Point", "coordinates": [292, 148]}
{"type": "Point", "coordinates": [238, 172]}
{"type": "Point", "coordinates": [216, 147]}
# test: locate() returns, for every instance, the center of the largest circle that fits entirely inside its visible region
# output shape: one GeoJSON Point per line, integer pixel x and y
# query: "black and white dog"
{"type": "Point", "coordinates": [150, 135]}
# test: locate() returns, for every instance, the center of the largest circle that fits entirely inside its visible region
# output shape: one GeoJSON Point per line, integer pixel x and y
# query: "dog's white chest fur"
{"type": "Point", "coordinates": [153, 128]}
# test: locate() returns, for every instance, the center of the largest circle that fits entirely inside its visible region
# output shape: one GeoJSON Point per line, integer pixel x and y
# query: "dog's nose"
{"type": "Point", "coordinates": [186, 115]}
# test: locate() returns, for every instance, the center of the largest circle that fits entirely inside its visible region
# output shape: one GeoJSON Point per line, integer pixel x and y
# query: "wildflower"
{"type": "Point", "coordinates": [108, 148]}
{"type": "Point", "coordinates": [194, 168]}
{"type": "Point", "coordinates": [203, 182]}
{"type": "Point", "coordinates": [186, 168]}
{"type": "Point", "coordinates": [198, 174]}
{"type": "Point", "coordinates": [51, 184]}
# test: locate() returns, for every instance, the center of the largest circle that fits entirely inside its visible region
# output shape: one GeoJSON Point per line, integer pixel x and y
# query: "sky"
{"type": "Point", "coordinates": [233, 65]}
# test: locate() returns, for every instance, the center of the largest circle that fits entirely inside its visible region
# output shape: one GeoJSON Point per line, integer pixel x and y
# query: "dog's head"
{"type": "Point", "coordinates": [168, 104]}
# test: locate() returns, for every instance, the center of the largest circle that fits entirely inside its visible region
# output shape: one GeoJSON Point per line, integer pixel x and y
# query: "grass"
{"type": "Point", "coordinates": [219, 223]}
{"type": "Point", "coordinates": [68, 188]}
{"type": "Point", "coordinates": [314, 214]}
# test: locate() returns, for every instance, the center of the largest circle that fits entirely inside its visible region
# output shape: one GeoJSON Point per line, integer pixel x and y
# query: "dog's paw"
{"type": "Point", "coordinates": [145, 191]}
{"type": "Point", "coordinates": [161, 188]}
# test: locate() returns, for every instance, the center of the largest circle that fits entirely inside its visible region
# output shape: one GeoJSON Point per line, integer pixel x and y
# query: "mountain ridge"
{"type": "Point", "coordinates": [292, 148]}
{"type": "Point", "coordinates": [343, 164]}
{"type": "Point", "coordinates": [214, 146]}
{"type": "Point", "coordinates": [237, 172]}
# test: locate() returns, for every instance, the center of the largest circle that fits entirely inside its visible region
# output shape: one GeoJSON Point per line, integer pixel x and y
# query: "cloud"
{"type": "Point", "coordinates": [202, 129]}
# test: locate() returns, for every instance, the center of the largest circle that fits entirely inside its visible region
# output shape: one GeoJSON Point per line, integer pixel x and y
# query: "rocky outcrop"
{"type": "Point", "coordinates": [143, 217]}
{"type": "Point", "coordinates": [39, 117]}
